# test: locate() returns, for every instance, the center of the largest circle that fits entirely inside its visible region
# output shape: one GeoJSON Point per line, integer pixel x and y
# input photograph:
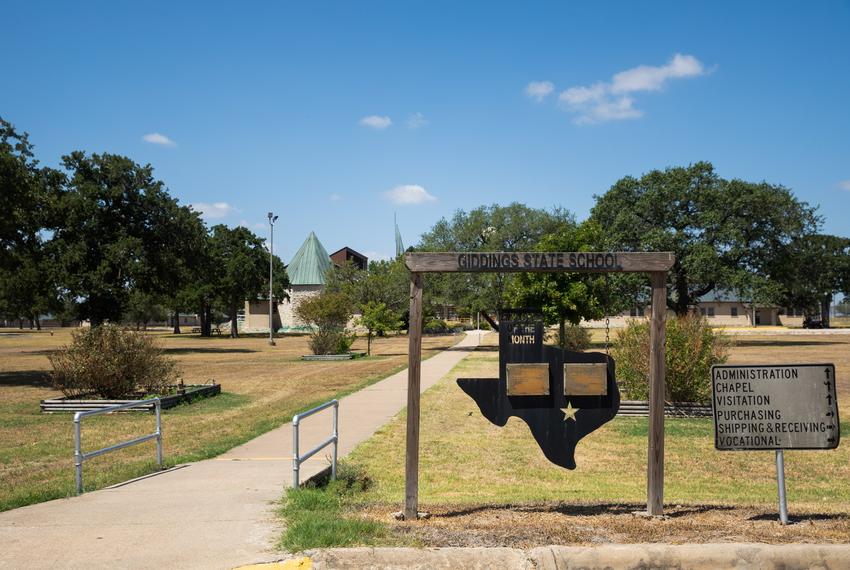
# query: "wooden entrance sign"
{"type": "Point", "coordinates": [657, 264]}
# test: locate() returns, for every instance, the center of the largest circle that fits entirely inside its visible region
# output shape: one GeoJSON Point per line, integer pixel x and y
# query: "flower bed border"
{"type": "Point", "coordinates": [332, 357]}
{"type": "Point", "coordinates": [190, 394]}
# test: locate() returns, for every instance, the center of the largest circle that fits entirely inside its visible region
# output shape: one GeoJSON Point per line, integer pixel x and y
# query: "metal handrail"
{"type": "Point", "coordinates": [298, 459]}
{"type": "Point", "coordinates": [79, 456]}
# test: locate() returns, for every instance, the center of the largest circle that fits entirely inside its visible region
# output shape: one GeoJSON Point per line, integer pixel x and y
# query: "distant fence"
{"type": "Point", "coordinates": [640, 409]}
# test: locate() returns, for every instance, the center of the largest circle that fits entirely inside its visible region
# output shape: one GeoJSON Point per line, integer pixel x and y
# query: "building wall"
{"type": "Point", "coordinates": [297, 295]}
{"type": "Point", "coordinates": [257, 316]}
{"type": "Point", "coordinates": [788, 321]}
{"type": "Point", "coordinates": [717, 313]}
{"type": "Point", "coordinates": [723, 313]}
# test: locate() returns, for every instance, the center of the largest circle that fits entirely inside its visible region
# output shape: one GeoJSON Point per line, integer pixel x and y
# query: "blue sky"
{"type": "Point", "coordinates": [330, 113]}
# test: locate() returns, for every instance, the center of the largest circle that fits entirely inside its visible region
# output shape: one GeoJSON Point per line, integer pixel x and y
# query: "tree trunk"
{"type": "Point", "coordinates": [208, 324]}
{"type": "Point", "coordinates": [369, 343]}
{"type": "Point", "coordinates": [20, 323]}
{"type": "Point", "coordinates": [234, 323]}
{"type": "Point", "coordinates": [824, 310]}
{"type": "Point", "coordinates": [38, 322]}
{"type": "Point", "coordinates": [176, 321]}
{"type": "Point", "coordinates": [681, 305]}
{"type": "Point", "coordinates": [562, 331]}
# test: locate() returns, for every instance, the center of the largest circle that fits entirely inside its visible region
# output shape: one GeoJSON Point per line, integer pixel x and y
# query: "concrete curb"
{"type": "Point", "coordinates": [609, 557]}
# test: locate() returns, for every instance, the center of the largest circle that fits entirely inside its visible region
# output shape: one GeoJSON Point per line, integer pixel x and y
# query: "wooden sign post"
{"type": "Point", "coordinates": [656, 264]}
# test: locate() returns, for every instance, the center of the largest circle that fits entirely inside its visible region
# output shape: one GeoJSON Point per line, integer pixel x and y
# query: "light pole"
{"type": "Point", "coordinates": [272, 220]}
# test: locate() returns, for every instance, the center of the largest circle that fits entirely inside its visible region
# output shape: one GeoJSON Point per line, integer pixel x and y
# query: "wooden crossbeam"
{"type": "Point", "coordinates": [551, 261]}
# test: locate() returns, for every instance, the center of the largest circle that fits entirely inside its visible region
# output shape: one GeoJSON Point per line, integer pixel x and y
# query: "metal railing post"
{"type": "Point", "coordinates": [78, 455]}
{"type": "Point", "coordinates": [158, 405]}
{"type": "Point", "coordinates": [295, 458]}
{"type": "Point", "coordinates": [336, 439]}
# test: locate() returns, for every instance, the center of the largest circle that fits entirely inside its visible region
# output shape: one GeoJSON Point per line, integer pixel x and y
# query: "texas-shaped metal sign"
{"type": "Point", "coordinates": [562, 395]}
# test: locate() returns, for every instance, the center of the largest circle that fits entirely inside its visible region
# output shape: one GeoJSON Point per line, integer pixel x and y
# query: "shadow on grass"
{"type": "Point", "coordinates": [801, 518]}
{"type": "Point", "coordinates": [580, 510]}
{"type": "Point", "coordinates": [207, 350]}
{"type": "Point", "coordinates": [758, 343]}
{"type": "Point", "coordinates": [37, 378]}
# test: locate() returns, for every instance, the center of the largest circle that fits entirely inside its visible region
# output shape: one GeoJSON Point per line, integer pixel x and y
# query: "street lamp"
{"type": "Point", "coordinates": [272, 220]}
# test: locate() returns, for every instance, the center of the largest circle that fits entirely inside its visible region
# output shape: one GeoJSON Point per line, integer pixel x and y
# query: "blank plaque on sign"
{"type": "Point", "coordinates": [585, 379]}
{"type": "Point", "coordinates": [531, 379]}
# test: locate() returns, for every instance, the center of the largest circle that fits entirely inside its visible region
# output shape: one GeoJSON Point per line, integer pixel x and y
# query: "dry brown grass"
{"type": "Point", "coordinates": [487, 485]}
{"type": "Point", "coordinates": [263, 387]}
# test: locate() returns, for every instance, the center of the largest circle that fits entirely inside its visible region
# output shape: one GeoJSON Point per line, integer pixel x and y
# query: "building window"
{"type": "Point", "coordinates": [711, 311]}
{"type": "Point", "coordinates": [734, 311]}
{"type": "Point", "coordinates": [635, 312]}
{"type": "Point", "coordinates": [702, 311]}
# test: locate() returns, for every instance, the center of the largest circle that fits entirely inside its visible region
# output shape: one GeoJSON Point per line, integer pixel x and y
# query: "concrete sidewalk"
{"type": "Point", "coordinates": [211, 514]}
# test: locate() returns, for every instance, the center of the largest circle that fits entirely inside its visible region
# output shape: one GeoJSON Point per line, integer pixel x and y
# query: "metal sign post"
{"type": "Point", "coordinates": [780, 482]}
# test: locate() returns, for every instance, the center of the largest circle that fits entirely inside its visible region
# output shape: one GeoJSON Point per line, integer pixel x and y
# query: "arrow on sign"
{"type": "Point", "coordinates": [827, 373]}
{"type": "Point", "coordinates": [830, 439]}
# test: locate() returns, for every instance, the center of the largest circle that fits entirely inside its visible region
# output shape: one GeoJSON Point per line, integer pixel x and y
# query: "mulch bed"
{"type": "Point", "coordinates": [539, 524]}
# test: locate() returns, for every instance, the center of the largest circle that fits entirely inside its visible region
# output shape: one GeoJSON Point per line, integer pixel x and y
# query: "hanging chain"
{"type": "Point", "coordinates": [607, 319]}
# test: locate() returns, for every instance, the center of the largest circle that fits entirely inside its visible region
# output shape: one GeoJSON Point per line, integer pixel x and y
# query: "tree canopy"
{"type": "Point", "coordinates": [725, 233]}
{"type": "Point", "coordinates": [120, 232]}
{"type": "Point", "coordinates": [811, 270]}
{"type": "Point", "coordinates": [515, 227]}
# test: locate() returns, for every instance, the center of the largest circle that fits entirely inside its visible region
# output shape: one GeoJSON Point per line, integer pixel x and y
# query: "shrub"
{"type": "Point", "coordinates": [575, 338]}
{"type": "Point", "coordinates": [330, 341]}
{"type": "Point", "coordinates": [329, 313]}
{"type": "Point", "coordinates": [111, 362]}
{"type": "Point", "coordinates": [435, 326]}
{"type": "Point", "coordinates": [692, 347]}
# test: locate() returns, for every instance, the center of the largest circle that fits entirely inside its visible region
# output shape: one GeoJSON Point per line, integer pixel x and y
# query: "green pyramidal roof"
{"type": "Point", "coordinates": [310, 264]}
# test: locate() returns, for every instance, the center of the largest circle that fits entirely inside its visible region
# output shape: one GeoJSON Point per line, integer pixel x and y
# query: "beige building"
{"type": "Point", "coordinates": [723, 309]}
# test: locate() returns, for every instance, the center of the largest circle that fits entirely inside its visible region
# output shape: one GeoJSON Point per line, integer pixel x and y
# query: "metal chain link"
{"type": "Point", "coordinates": [607, 334]}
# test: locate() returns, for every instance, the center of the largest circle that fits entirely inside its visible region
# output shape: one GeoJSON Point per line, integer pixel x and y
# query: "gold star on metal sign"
{"type": "Point", "coordinates": [569, 412]}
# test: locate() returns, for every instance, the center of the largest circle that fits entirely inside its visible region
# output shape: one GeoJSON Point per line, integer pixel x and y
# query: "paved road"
{"type": "Point", "coordinates": [211, 514]}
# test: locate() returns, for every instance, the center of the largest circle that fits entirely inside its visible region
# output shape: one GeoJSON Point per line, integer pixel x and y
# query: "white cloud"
{"type": "Point", "coordinates": [409, 194]}
{"type": "Point", "coordinates": [416, 120]}
{"type": "Point", "coordinates": [160, 139]}
{"type": "Point", "coordinates": [609, 110]}
{"type": "Point", "coordinates": [650, 78]}
{"type": "Point", "coordinates": [335, 197]}
{"type": "Point", "coordinates": [611, 101]}
{"type": "Point", "coordinates": [539, 90]}
{"type": "Point", "coordinates": [844, 185]}
{"type": "Point", "coordinates": [214, 211]}
{"type": "Point", "coordinates": [377, 256]}
{"type": "Point", "coordinates": [376, 122]}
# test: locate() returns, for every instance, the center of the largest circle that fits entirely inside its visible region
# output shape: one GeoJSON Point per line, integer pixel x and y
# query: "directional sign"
{"type": "Point", "coordinates": [788, 406]}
